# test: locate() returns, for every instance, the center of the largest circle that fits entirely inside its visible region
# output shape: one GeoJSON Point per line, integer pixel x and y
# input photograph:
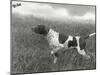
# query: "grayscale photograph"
{"type": "Point", "coordinates": [52, 37]}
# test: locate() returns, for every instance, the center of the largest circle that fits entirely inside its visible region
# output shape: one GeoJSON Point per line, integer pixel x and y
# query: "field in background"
{"type": "Point", "coordinates": [31, 52]}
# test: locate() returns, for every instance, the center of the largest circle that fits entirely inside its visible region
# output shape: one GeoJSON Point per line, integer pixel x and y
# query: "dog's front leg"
{"type": "Point", "coordinates": [55, 55]}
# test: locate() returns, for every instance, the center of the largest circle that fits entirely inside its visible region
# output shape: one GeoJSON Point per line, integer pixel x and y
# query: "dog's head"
{"type": "Point", "coordinates": [41, 29]}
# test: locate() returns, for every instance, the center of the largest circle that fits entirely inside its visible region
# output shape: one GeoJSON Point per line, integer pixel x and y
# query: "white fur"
{"type": "Point", "coordinates": [82, 52]}
{"type": "Point", "coordinates": [52, 38]}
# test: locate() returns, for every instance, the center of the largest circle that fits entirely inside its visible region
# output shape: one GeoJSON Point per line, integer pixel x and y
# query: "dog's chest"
{"type": "Point", "coordinates": [53, 40]}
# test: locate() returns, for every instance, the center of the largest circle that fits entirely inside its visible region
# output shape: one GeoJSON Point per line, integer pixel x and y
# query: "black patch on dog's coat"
{"type": "Point", "coordinates": [41, 29]}
{"type": "Point", "coordinates": [62, 38]}
{"type": "Point", "coordinates": [82, 43]}
{"type": "Point", "coordinates": [72, 43]}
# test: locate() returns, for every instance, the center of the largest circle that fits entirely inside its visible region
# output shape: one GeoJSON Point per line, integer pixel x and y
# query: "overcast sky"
{"type": "Point", "coordinates": [58, 12]}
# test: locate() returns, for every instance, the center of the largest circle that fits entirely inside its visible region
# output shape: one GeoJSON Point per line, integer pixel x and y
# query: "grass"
{"type": "Point", "coordinates": [31, 52]}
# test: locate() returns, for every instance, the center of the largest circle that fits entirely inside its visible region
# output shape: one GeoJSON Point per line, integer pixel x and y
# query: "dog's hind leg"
{"type": "Point", "coordinates": [83, 53]}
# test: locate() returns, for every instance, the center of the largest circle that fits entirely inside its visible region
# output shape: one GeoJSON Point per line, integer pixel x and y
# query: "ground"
{"type": "Point", "coordinates": [31, 53]}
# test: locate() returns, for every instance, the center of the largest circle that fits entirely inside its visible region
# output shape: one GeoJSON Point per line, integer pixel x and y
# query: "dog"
{"type": "Point", "coordinates": [58, 41]}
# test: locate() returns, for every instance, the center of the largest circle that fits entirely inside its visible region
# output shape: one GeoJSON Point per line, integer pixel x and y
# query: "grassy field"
{"type": "Point", "coordinates": [31, 53]}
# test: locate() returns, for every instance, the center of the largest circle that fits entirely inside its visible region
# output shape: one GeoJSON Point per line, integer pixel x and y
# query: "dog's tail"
{"type": "Point", "coordinates": [90, 35]}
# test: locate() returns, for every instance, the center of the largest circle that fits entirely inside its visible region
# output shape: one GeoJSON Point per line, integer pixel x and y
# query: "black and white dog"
{"type": "Point", "coordinates": [58, 41]}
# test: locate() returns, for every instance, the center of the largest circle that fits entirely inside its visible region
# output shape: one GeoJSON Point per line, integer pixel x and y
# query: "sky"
{"type": "Point", "coordinates": [56, 12]}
